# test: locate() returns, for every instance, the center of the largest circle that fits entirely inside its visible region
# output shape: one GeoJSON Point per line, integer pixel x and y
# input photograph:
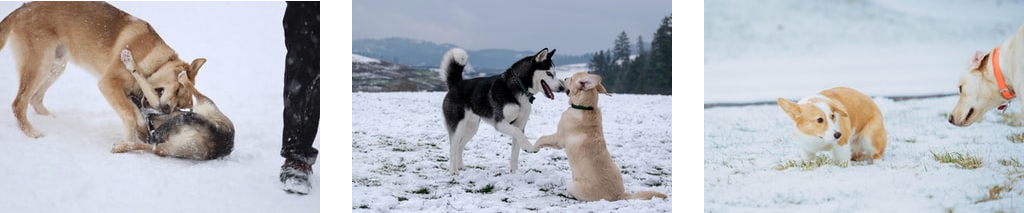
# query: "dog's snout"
{"type": "Point", "coordinates": [166, 108]}
{"type": "Point", "coordinates": [837, 135]}
{"type": "Point", "coordinates": [951, 119]}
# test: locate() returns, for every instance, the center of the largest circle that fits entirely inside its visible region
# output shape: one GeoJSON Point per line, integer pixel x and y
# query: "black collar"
{"type": "Point", "coordinates": [581, 107]}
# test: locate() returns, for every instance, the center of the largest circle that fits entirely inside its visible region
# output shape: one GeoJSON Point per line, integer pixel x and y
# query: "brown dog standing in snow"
{"type": "Point", "coordinates": [594, 175]}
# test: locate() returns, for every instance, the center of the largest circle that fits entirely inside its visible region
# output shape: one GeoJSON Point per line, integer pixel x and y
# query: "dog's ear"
{"type": "Point", "coordinates": [589, 81]}
{"type": "Point", "coordinates": [979, 60]}
{"type": "Point", "coordinates": [789, 107]}
{"type": "Point", "coordinates": [600, 89]}
{"type": "Point", "coordinates": [193, 69]}
{"type": "Point", "coordinates": [552, 53]}
{"type": "Point", "coordinates": [542, 55]}
{"type": "Point", "coordinates": [838, 108]}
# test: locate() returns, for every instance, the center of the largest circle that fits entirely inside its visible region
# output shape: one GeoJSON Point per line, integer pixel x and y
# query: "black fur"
{"type": "Point", "coordinates": [486, 96]}
{"type": "Point", "coordinates": [179, 121]}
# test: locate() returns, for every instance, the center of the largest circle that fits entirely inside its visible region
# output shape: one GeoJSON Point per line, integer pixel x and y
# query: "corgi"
{"type": "Point", "coordinates": [841, 120]}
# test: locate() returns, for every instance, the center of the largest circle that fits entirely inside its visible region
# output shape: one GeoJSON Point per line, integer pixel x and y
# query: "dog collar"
{"type": "Point", "coordinates": [581, 107]}
{"type": "Point", "coordinates": [524, 90]}
{"type": "Point", "coordinates": [1003, 89]}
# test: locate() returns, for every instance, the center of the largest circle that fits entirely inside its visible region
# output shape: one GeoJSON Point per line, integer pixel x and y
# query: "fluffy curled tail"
{"type": "Point", "coordinates": [452, 64]}
{"type": "Point", "coordinates": [646, 195]}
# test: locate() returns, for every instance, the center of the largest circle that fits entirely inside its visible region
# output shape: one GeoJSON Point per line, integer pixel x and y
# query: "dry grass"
{"type": "Point", "coordinates": [963, 161]}
{"type": "Point", "coordinates": [805, 165]}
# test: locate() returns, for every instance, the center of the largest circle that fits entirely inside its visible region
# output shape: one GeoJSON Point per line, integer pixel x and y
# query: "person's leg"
{"type": "Point", "coordinates": [301, 94]}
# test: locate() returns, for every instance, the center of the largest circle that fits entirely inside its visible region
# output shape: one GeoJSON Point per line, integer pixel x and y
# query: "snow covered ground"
{"type": "Point", "coordinates": [758, 51]}
{"type": "Point", "coordinates": [400, 157]}
{"type": "Point", "coordinates": [72, 169]}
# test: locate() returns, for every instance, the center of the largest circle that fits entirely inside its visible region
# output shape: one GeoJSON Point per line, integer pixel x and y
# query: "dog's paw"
{"type": "Point", "coordinates": [531, 149]}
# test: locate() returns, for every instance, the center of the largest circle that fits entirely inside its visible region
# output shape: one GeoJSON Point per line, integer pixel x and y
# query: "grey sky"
{"type": "Point", "coordinates": [572, 27]}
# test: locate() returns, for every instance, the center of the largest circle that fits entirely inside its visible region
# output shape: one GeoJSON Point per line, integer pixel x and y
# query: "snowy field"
{"type": "Point", "coordinates": [72, 169]}
{"type": "Point", "coordinates": [758, 51]}
{"type": "Point", "coordinates": [400, 157]}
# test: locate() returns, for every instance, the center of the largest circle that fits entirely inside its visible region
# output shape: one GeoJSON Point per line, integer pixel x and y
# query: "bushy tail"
{"type": "Point", "coordinates": [5, 28]}
{"type": "Point", "coordinates": [452, 64]}
{"type": "Point", "coordinates": [646, 195]}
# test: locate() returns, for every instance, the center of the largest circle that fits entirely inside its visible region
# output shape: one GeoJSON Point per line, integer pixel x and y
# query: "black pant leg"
{"type": "Point", "coordinates": [301, 81]}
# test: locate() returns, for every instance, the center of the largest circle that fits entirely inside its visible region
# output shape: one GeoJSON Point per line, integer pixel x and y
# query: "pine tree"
{"type": "Point", "coordinates": [661, 57]}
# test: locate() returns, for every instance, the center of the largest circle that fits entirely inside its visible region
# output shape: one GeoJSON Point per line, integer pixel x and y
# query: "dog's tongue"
{"type": "Point", "coordinates": [547, 90]}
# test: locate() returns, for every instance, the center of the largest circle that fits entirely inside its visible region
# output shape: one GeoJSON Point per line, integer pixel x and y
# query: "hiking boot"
{"type": "Point", "coordinates": [295, 176]}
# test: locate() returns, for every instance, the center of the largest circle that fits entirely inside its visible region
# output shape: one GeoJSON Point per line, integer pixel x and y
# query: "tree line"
{"type": "Point", "coordinates": [649, 71]}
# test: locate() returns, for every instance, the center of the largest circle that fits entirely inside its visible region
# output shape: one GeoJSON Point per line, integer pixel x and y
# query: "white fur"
{"type": "Point", "coordinates": [458, 54]}
{"type": "Point", "coordinates": [810, 145]}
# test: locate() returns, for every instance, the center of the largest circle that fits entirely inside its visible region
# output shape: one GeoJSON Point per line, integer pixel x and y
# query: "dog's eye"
{"type": "Point", "coordinates": [821, 120]}
{"type": "Point", "coordinates": [552, 75]}
{"type": "Point", "coordinates": [159, 91]}
{"type": "Point", "coordinates": [833, 116]}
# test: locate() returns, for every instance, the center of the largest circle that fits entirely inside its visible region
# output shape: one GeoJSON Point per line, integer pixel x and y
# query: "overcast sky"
{"type": "Point", "coordinates": [572, 27]}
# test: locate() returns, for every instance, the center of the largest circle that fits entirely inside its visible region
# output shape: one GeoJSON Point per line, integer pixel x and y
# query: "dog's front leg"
{"type": "Point", "coordinates": [553, 141]}
{"type": "Point", "coordinates": [113, 88]}
{"type": "Point", "coordinates": [519, 141]}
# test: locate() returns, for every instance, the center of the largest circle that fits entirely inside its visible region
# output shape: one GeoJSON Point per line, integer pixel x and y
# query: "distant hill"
{"type": "Point", "coordinates": [374, 75]}
{"type": "Point", "coordinates": [425, 54]}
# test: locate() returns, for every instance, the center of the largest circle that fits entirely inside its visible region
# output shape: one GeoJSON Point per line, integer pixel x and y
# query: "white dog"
{"type": "Point", "coordinates": [990, 81]}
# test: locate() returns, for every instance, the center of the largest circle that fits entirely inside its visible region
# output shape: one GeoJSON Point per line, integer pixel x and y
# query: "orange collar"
{"type": "Point", "coordinates": [1003, 89]}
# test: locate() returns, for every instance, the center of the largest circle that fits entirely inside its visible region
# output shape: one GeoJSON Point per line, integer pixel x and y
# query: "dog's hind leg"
{"type": "Point", "coordinates": [464, 130]}
{"type": "Point", "coordinates": [56, 69]}
{"type": "Point", "coordinates": [30, 65]}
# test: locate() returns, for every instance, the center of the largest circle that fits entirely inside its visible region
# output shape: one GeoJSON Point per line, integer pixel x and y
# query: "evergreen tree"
{"type": "Point", "coordinates": [622, 49]}
{"type": "Point", "coordinates": [661, 56]}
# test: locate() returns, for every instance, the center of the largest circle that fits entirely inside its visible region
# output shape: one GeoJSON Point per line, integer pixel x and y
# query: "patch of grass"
{"type": "Point", "coordinates": [963, 161]}
{"type": "Point", "coordinates": [486, 190]}
{"type": "Point", "coordinates": [1011, 119]}
{"type": "Point", "coordinates": [996, 192]}
{"type": "Point", "coordinates": [505, 200]}
{"type": "Point", "coordinates": [422, 191]}
{"type": "Point", "coordinates": [945, 115]}
{"type": "Point", "coordinates": [807, 165]}
{"type": "Point", "coordinates": [1016, 137]}
{"type": "Point", "coordinates": [402, 149]}
{"type": "Point", "coordinates": [909, 140]}
{"type": "Point", "coordinates": [364, 206]}
{"type": "Point", "coordinates": [400, 199]}
{"type": "Point", "coordinates": [1011, 162]}
{"type": "Point", "coordinates": [658, 171]}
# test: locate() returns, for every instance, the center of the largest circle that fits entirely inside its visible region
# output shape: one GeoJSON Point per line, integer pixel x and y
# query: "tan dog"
{"type": "Point", "coordinates": [202, 134]}
{"type": "Point", "coordinates": [982, 89]}
{"type": "Point", "coordinates": [841, 120]}
{"type": "Point", "coordinates": [46, 35]}
{"type": "Point", "coordinates": [594, 174]}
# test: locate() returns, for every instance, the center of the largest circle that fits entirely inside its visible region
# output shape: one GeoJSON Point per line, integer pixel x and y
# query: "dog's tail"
{"type": "Point", "coordinates": [452, 65]}
{"type": "Point", "coordinates": [645, 195]}
{"type": "Point", "coordinates": [5, 28]}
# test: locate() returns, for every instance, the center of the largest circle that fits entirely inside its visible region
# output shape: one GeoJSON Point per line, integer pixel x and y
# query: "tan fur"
{"type": "Point", "coordinates": [595, 176]}
{"type": "Point", "coordinates": [859, 120]}
{"type": "Point", "coordinates": [192, 142]}
{"type": "Point", "coordinates": [979, 92]}
{"type": "Point", "coordinates": [46, 35]}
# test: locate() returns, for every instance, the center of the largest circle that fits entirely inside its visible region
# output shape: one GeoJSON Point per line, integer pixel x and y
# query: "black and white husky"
{"type": "Point", "coordinates": [503, 101]}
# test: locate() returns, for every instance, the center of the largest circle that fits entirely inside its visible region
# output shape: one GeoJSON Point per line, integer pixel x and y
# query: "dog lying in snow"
{"type": "Point", "coordinates": [202, 134]}
{"type": "Point", "coordinates": [594, 174]}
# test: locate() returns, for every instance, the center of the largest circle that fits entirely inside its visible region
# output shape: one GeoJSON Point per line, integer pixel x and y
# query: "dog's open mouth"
{"type": "Point", "coordinates": [547, 90]}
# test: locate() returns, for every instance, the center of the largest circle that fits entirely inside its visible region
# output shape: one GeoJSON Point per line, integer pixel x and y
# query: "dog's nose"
{"type": "Point", "coordinates": [951, 119]}
{"type": "Point", "coordinates": [837, 135]}
{"type": "Point", "coordinates": [166, 108]}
